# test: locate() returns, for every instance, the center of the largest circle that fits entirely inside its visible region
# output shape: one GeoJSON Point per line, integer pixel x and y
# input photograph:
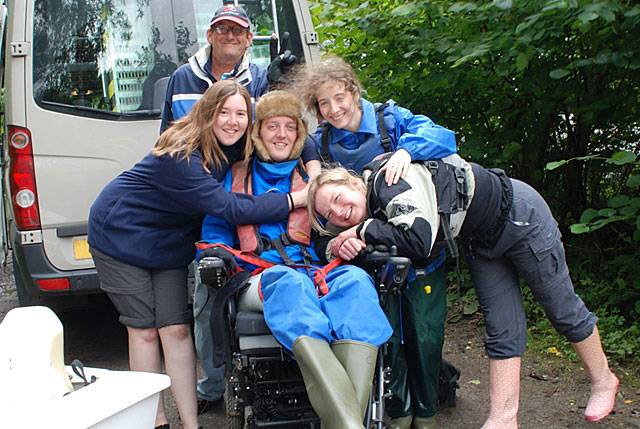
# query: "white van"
{"type": "Point", "coordinates": [84, 84]}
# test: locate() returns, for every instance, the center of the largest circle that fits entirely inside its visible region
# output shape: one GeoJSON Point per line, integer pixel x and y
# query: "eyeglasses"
{"type": "Point", "coordinates": [224, 29]}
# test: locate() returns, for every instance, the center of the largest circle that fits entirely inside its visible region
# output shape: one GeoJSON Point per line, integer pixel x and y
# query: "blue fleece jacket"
{"type": "Point", "coordinates": [151, 215]}
{"type": "Point", "coordinates": [417, 134]}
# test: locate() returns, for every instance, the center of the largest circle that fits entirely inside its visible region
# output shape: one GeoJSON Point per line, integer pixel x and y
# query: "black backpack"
{"type": "Point", "coordinates": [448, 384]}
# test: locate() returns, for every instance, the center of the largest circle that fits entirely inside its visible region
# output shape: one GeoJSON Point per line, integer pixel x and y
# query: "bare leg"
{"type": "Point", "coordinates": [604, 384]}
{"type": "Point", "coordinates": [144, 355]}
{"type": "Point", "coordinates": [180, 363]}
{"type": "Point", "coordinates": [504, 393]}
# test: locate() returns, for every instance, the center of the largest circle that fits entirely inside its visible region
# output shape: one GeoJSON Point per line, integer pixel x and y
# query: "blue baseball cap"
{"type": "Point", "coordinates": [233, 13]}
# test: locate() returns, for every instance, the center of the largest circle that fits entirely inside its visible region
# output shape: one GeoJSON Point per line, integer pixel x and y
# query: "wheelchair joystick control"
{"type": "Point", "coordinates": [213, 271]}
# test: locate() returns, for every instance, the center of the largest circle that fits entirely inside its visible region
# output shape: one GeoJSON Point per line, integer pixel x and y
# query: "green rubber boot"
{"type": "Point", "coordinates": [424, 423]}
{"type": "Point", "coordinates": [330, 391]}
{"type": "Point", "coordinates": [359, 360]}
{"type": "Point", "coordinates": [401, 422]}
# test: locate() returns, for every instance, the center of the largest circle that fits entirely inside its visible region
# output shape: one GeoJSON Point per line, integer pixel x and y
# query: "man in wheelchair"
{"type": "Point", "coordinates": [328, 317]}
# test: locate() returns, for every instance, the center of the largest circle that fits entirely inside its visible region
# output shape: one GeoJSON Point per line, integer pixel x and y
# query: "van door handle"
{"type": "Point", "coordinates": [72, 230]}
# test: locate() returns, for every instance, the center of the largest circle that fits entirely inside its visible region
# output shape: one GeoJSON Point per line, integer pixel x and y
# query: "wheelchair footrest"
{"type": "Point", "coordinates": [307, 422]}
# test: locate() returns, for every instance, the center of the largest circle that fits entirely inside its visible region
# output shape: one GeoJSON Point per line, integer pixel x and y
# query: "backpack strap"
{"type": "Point", "coordinates": [384, 134]}
{"type": "Point", "coordinates": [442, 174]}
{"type": "Point", "coordinates": [452, 190]}
{"type": "Point", "coordinates": [324, 142]}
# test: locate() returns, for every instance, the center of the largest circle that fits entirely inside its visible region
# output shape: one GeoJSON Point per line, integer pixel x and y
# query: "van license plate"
{"type": "Point", "coordinates": [81, 249]}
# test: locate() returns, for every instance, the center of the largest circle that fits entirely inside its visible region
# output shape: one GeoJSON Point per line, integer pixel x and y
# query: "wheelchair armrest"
{"type": "Point", "coordinates": [393, 274]}
{"type": "Point", "coordinates": [213, 272]}
{"type": "Point", "coordinates": [391, 270]}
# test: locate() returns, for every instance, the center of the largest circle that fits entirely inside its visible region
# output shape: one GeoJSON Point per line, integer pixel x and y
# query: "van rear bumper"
{"type": "Point", "coordinates": [31, 264]}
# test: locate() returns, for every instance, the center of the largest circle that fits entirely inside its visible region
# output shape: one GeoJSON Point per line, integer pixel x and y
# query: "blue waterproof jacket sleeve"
{"type": "Point", "coordinates": [420, 136]}
{"type": "Point", "coordinates": [218, 230]}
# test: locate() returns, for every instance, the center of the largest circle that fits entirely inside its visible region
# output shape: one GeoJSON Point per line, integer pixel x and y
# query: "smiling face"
{"type": "Point", "coordinates": [339, 106]}
{"type": "Point", "coordinates": [232, 121]}
{"type": "Point", "coordinates": [342, 205]}
{"type": "Point", "coordinates": [229, 48]}
{"type": "Point", "coordinates": [278, 135]}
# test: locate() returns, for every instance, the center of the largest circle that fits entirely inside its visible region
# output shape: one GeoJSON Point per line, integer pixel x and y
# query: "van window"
{"type": "Point", "coordinates": [263, 22]}
{"type": "Point", "coordinates": [104, 57]}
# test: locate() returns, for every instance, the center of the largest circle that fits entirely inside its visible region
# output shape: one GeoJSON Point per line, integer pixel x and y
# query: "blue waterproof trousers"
{"type": "Point", "coordinates": [349, 311]}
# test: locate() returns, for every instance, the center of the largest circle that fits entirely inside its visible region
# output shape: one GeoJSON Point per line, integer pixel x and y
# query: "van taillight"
{"type": "Point", "coordinates": [53, 284]}
{"type": "Point", "coordinates": [22, 179]}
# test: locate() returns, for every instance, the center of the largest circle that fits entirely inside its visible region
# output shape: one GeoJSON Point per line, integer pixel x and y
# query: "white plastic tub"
{"type": "Point", "coordinates": [36, 390]}
{"type": "Point", "coordinates": [116, 400]}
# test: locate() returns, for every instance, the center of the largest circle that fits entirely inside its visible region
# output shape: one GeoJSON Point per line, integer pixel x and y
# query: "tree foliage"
{"type": "Point", "coordinates": [522, 84]}
{"type": "Point", "coordinates": [525, 85]}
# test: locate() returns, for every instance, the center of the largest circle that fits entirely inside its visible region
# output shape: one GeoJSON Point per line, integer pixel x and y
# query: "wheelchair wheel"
{"type": "Point", "coordinates": [233, 412]}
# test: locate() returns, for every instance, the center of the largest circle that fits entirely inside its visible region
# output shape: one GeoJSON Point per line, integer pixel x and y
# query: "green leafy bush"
{"type": "Point", "coordinates": [526, 85]}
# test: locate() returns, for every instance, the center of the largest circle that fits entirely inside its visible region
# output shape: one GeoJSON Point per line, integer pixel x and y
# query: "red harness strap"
{"type": "Point", "coordinates": [248, 257]}
{"type": "Point", "coordinates": [319, 274]}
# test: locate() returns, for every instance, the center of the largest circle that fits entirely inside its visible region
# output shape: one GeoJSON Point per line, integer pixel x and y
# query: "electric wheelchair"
{"type": "Point", "coordinates": [263, 385]}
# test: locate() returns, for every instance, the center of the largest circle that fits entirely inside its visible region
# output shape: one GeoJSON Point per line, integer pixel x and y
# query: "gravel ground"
{"type": "Point", "coordinates": [554, 390]}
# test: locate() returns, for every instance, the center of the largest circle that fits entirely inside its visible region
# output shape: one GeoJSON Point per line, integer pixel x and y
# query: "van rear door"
{"type": "Point", "coordinates": [3, 216]}
{"type": "Point", "coordinates": [90, 107]}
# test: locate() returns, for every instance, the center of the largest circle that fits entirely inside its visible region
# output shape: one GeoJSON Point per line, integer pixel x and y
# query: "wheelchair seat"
{"type": "Point", "coordinates": [253, 333]}
{"type": "Point", "coordinates": [251, 323]}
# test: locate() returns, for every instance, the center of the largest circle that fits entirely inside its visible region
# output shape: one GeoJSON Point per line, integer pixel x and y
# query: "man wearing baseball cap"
{"type": "Point", "coordinates": [225, 57]}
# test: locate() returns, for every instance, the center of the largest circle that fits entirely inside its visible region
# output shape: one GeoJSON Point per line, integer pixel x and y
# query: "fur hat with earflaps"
{"type": "Point", "coordinates": [279, 103]}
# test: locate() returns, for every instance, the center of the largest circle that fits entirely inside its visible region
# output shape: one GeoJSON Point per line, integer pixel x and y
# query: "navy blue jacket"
{"type": "Point", "coordinates": [191, 80]}
{"type": "Point", "coordinates": [151, 215]}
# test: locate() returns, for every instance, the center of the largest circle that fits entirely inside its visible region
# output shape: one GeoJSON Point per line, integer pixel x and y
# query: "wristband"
{"type": "Point", "coordinates": [293, 206]}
